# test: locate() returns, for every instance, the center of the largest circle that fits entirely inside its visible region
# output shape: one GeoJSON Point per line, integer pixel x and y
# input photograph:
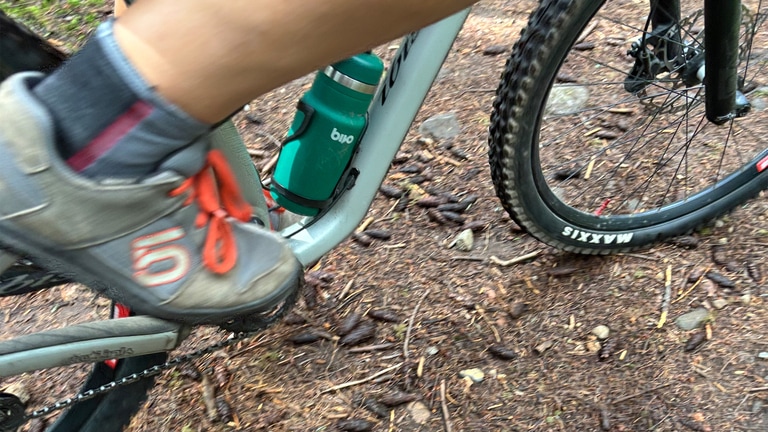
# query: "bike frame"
{"type": "Point", "coordinates": [394, 107]}
{"type": "Point", "coordinates": [398, 99]}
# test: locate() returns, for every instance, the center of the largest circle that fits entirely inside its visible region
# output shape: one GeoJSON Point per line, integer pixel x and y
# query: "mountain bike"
{"type": "Point", "coordinates": [609, 132]}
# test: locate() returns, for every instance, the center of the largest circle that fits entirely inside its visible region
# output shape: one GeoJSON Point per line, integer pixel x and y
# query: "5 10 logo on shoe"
{"type": "Point", "coordinates": [157, 260]}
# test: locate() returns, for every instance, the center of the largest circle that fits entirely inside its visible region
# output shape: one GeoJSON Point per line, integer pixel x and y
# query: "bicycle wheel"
{"type": "Point", "coordinates": [22, 50]}
{"type": "Point", "coordinates": [594, 151]}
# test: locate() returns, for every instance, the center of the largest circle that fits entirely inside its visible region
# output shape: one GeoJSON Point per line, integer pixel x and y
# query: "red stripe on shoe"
{"type": "Point", "coordinates": [109, 136]}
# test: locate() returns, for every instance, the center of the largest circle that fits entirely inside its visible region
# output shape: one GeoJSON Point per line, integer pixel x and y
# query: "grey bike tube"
{"type": "Point", "coordinates": [393, 109]}
{"type": "Point", "coordinates": [89, 342]}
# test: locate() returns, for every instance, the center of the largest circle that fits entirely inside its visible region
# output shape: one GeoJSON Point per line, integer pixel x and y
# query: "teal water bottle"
{"type": "Point", "coordinates": [320, 143]}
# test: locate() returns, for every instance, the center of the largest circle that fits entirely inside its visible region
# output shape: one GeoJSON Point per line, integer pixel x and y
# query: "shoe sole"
{"type": "Point", "coordinates": [49, 257]}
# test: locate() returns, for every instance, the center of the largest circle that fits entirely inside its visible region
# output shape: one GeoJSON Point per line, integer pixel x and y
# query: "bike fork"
{"type": "Point", "coordinates": [713, 63]}
{"type": "Point", "coordinates": [721, 39]}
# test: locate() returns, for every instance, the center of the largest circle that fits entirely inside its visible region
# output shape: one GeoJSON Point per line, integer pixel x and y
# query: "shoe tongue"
{"type": "Point", "coordinates": [189, 160]}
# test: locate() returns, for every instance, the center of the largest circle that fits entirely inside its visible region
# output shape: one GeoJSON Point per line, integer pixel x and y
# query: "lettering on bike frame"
{"type": "Point", "coordinates": [100, 355]}
{"type": "Point", "coordinates": [394, 68]}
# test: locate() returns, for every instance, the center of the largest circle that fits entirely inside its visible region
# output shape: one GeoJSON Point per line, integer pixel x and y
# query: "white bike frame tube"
{"type": "Point", "coordinates": [394, 107]}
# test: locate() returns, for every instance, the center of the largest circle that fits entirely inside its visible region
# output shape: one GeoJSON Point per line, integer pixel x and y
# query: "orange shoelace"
{"type": "Point", "coordinates": [218, 195]}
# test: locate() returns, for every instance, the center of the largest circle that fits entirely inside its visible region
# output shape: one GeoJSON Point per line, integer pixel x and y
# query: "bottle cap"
{"type": "Point", "coordinates": [361, 73]}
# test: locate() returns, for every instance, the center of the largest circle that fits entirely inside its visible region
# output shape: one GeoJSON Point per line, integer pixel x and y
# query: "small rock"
{"type": "Point", "coordinates": [441, 126]}
{"type": "Point", "coordinates": [719, 303]}
{"type": "Point", "coordinates": [692, 319]}
{"type": "Point", "coordinates": [475, 374]}
{"type": "Point", "coordinates": [601, 331]}
{"type": "Point", "coordinates": [540, 348]}
{"type": "Point", "coordinates": [465, 240]}
{"type": "Point", "coordinates": [432, 350]}
{"type": "Point", "coordinates": [763, 355]}
{"type": "Point", "coordinates": [419, 412]}
{"type": "Point", "coordinates": [566, 99]}
{"type": "Point", "coordinates": [746, 299]}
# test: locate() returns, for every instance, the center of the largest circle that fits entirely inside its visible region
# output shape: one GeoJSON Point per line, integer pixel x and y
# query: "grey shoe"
{"type": "Point", "coordinates": [162, 245]}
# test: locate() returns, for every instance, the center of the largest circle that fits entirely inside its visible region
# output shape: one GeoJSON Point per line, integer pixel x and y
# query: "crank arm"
{"type": "Point", "coordinates": [89, 342]}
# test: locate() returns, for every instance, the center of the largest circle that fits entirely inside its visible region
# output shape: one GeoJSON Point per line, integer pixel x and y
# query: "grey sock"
{"type": "Point", "coordinates": [109, 122]}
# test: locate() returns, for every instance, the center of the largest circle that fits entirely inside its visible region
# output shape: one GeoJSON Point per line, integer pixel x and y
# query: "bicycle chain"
{"type": "Point", "coordinates": [132, 378]}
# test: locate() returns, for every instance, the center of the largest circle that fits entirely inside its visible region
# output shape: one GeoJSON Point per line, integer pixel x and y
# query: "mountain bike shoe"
{"type": "Point", "coordinates": [172, 245]}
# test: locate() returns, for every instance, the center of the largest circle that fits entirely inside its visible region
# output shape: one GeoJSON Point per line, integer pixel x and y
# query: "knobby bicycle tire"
{"type": "Point", "coordinates": [23, 50]}
{"type": "Point", "coordinates": [585, 165]}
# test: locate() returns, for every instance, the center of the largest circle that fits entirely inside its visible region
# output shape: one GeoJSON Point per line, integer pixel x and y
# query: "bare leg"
{"type": "Point", "coordinates": [209, 57]}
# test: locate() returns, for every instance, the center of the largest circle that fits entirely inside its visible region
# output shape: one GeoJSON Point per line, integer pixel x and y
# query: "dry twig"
{"type": "Point", "coordinates": [410, 324]}
{"type": "Point", "coordinates": [494, 259]}
{"type": "Point", "coordinates": [496, 334]}
{"type": "Point", "coordinates": [698, 281]}
{"type": "Point", "coordinates": [757, 389]}
{"type": "Point", "coordinates": [369, 348]}
{"type": "Point", "coordinates": [444, 406]}
{"type": "Point", "coordinates": [361, 381]}
{"type": "Point", "coordinates": [640, 393]}
{"type": "Point", "coordinates": [586, 32]}
{"type": "Point", "coordinates": [365, 224]}
{"type": "Point", "coordinates": [667, 297]}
